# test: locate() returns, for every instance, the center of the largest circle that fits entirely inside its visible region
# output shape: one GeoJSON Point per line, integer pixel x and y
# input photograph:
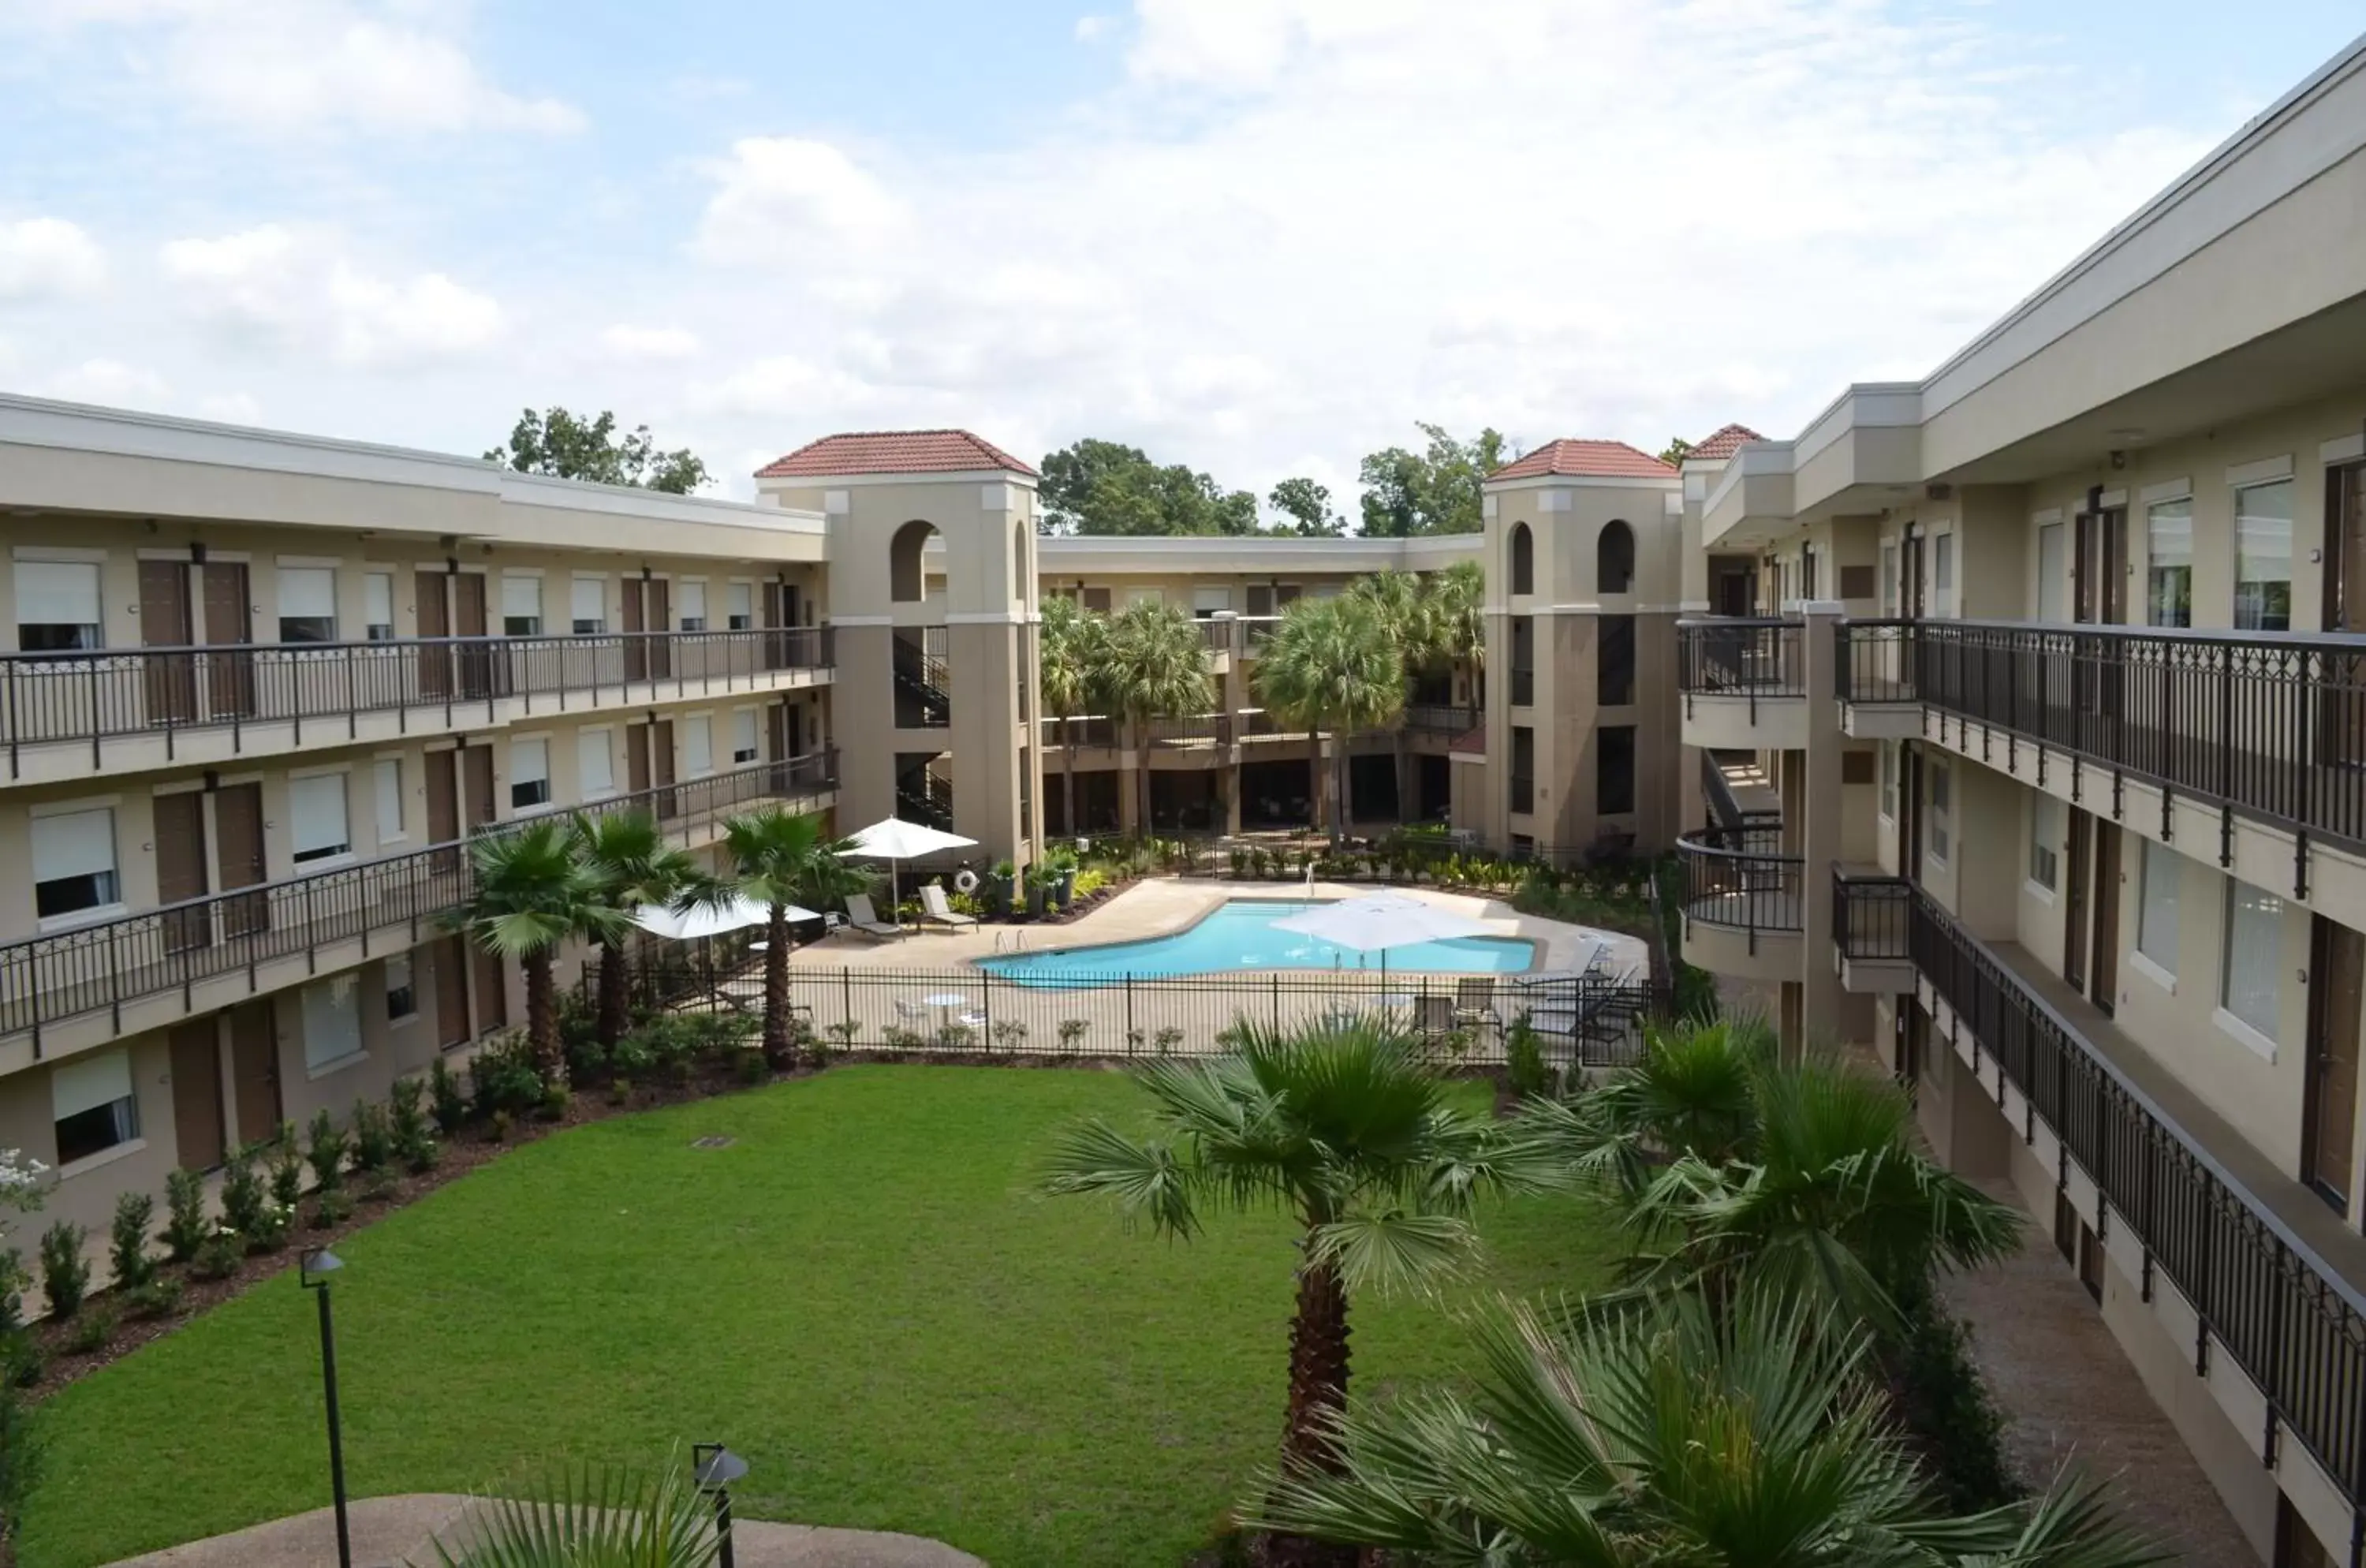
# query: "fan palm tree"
{"type": "Point", "coordinates": [1457, 620]}
{"type": "Point", "coordinates": [1156, 666]}
{"type": "Point", "coordinates": [530, 893]}
{"type": "Point", "coordinates": [1071, 662]}
{"type": "Point", "coordinates": [778, 857]}
{"type": "Point", "coordinates": [591, 1520]}
{"type": "Point", "coordinates": [1332, 664]}
{"type": "Point", "coordinates": [631, 866]}
{"type": "Point", "coordinates": [1667, 1437]}
{"type": "Point", "coordinates": [1346, 1130]}
{"type": "Point", "coordinates": [1398, 601]}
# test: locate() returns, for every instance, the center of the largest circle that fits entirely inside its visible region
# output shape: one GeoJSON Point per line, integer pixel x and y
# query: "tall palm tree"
{"type": "Point", "coordinates": [631, 866]}
{"type": "Point", "coordinates": [778, 857]}
{"type": "Point", "coordinates": [1157, 667]}
{"type": "Point", "coordinates": [1332, 664]}
{"type": "Point", "coordinates": [1399, 601]}
{"type": "Point", "coordinates": [1071, 667]}
{"type": "Point", "coordinates": [530, 894]}
{"type": "Point", "coordinates": [1668, 1438]}
{"type": "Point", "coordinates": [1349, 1131]}
{"type": "Point", "coordinates": [1457, 620]}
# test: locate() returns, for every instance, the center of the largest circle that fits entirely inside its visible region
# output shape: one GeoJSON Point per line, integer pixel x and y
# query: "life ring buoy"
{"type": "Point", "coordinates": [964, 881]}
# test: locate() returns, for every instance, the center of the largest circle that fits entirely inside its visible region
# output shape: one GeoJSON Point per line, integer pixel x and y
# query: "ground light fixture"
{"type": "Point", "coordinates": [715, 1468]}
{"type": "Point", "coordinates": [312, 1271]}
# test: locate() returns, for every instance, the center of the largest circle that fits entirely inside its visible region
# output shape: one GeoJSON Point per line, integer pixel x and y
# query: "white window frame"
{"type": "Point", "coordinates": [1938, 835]}
{"type": "Point", "coordinates": [1942, 571]}
{"type": "Point", "coordinates": [94, 913]}
{"type": "Point", "coordinates": [605, 748]}
{"type": "Point", "coordinates": [88, 1075]}
{"type": "Point", "coordinates": [575, 593]}
{"type": "Point", "coordinates": [703, 725]}
{"type": "Point", "coordinates": [94, 561]}
{"type": "Point", "coordinates": [2290, 520]}
{"type": "Point", "coordinates": [344, 992]}
{"type": "Point", "coordinates": [402, 964]}
{"type": "Point", "coordinates": [2158, 914]}
{"type": "Point", "coordinates": [1887, 750]}
{"type": "Point", "coordinates": [683, 589]}
{"type": "Point", "coordinates": [739, 616]}
{"type": "Point", "coordinates": [524, 577]}
{"type": "Point", "coordinates": [2238, 1013]}
{"type": "Point", "coordinates": [2052, 576]}
{"type": "Point", "coordinates": [380, 800]}
{"type": "Point", "coordinates": [373, 579]}
{"type": "Point", "coordinates": [2048, 827]}
{"type": "Point", "coordinates": [2155, 511]}
{"type": "Point", "coordinates": [315, 860]}
{"type": "Point", "coordinates": [518, 777]}
{"type": "Point", "coordinates": [754, 750]}
{"type": "Point", "coordinates": [317, 583]}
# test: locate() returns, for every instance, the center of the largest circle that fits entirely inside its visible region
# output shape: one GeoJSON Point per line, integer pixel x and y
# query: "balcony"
{"type": "Point", "coordinates": [1743, 682]}
{"type": "Point", "coordinates": [1254, 632]}
{"type": "Point", "coordinates": [156, 706]}
{"type": "Point", "coordinates": [1874, 668]}
{"type": "Point", "coordinates": [1872, 927]}
{"type": "Point", "coordinates": [145, 970]}
{"type": "Point", "coordinates": [1087, 732]}
{"type": "Point", "coordinates": [1742, 908]}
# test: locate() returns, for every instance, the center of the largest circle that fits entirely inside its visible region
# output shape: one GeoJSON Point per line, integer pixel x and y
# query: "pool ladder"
{"type": "Point", "coordinates": [1012, 942]}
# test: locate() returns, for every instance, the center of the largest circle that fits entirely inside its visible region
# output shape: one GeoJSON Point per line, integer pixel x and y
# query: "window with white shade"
{"type": "Point", "coordinates": [1144, 596]}
{"type": "Point", "coordinates": [697, 745]}
{"type": "Point", "coordinates": [741, 606]}
{"type": "Point", "coordinates": [1889, 780]}
{"type": "Point", "coordinates": [529, 774]}
{"type": "Point", "coordinates": [1206, 602]}
{"type": "Point", "coordinates": [1942, 811]}
{"type": "Point", "coordinates": [2263, 557]}
{"type": "Point", "coordinates": [1942, 572]}
{"type": "Point", "coordinates": [308, 603]}
{"type": "Point", "coordinates": [57, 605]}
{"type": "Point", "coordinates": [743, 735]}
{"type": "Point", "coordinates": [595, 763]}
{"type": "Point", "coordinates": [2046, 830]}
{"type": "Point", "coordinates": [693, 606]}
{"type": "Point", "coordinates": [333, 1020]}
{"type": "Point", "coordinates": [401, 988]}
{"type": "Point", "coordinates": [73, 863]}
{"type": "Point", "coordinates": [2168, 563]}
{"type": "Point", "coordinates": [385, 781]}
{"type": "Point", "coordinates": [316, 817]}
{"type": "Point", "coordinates": [91, 1103]}
{"type": "Point", "coordinates": [588, 612]}
{"type": "Point", "coordinates": [2255, 955]}
{"type": "Point", "coordinates": [520, 606]}
{"type": "Point", "coordinates": [378, 605]}
{"type": "Point", "coordinates": [1889, 579]}
{"type": "Point", "coordinates": [2156, 912]}
{"type": "Point", "coordinates": [2053, 575]}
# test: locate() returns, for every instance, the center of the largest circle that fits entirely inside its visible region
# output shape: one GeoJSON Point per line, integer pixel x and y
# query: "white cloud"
{"type": "Point", "coordinates": [1090, 29]}
{"type": "Point", "coordinates": [646, 343]}
{"type": "Point", "coordinates": [47, 258]}
{"type": "Point", "coordinates": [230, 408]}
{"type": "Point", "coordinates": [292, 289]}
{"type": "Point", "coordinates": [784, 191]}
{"type": "Point", "coordinates": [110, 381]}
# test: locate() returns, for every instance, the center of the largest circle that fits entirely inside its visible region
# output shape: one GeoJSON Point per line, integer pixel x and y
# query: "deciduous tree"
{"type": "Point", "coordinates": [564, 446]}
{"type": "Point", "coordinates": [1105, 486]}
{"type": "Point", "coordinates": [1432, 491]}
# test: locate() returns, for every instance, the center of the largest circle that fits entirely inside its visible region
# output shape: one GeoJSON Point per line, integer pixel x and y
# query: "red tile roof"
{"type": "Point", "coordinates": [893, 452]}
{"type": "Point", "coordinates": [1471, 742]}
{"type": "Point", "coordinates": [1719, 447]}
{"type": "Point", "coordinates": [1586, 459]}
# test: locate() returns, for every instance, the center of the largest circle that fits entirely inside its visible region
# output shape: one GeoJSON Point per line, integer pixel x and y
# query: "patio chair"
{"type": "Point", "coordinates": [1474, 1001]}
{"type": "Point", "coordinates": [914, 1015]}
{"type": "Point", "coordinates": [936, 910]}
{"type": "Point", "coordinates": [861, 917]}
{"type": "Point", "coordinates": [1432, 1015]}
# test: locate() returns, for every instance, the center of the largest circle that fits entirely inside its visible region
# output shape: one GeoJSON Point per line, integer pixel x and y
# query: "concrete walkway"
{"type": "Point", "coordinates": [391, 1532]}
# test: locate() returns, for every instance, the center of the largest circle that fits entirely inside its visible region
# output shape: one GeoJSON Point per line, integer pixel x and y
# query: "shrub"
{"type": "Point", "coordinates": [13, 1281]}
{"type": "Point", "coordinates": [556, 1098]}
{"type": "Point", "coordinates": [620, 1091]}
{"type": "Point", "coordinates": [23, 1452]}
{"type": "Point", "coordinates": [1165, 1040]}
{"type": "Point", "coordinates": [94, 1330]}
{"type": "Point", "coordinates": [21, 1360]}
{"type": "Point", "coordinates": [956, 1037]}
{"type": "Point", "coordinates": [329, 1147]}
{"type": "Point", "coordinates": [128, 1240]}
{"type": "Point", "coordinates": [1072, 1033]}
{"type": "Point", "coordinates": [843, 1031]}
{"type": "Point", "coordinates": [331, 1206]}
{"type": "Point", "coordinates": [501, 1126]}
{"type": "Point", "coordinates": [186, 1226]}
{"type": "Point", "coordinates": [244, 1200]}
{"type": "Point", "coordinates": [286, 1169]}
{"type": "Point", "coordinates": [899, 1038]}
{"type": "Point", "coordinates": [1946, 1405]}
{"type": "Point", "coordinates": [444, 1091]}
{"type": "Point", "coordinates": [159, 1297]}
{"type": "Point", "coordinates": [218, 1254]}
{"type": "Point", "coordinates": [379, 1186]}
{"type": "Point", "coordinates": [504, 1079]}
{"type": "Point", "coordinates": [753, 1069]}
{"type": "Point", "coordinates": [1010, 1034]}
{"type": "Point", "coordinates": [373, 1137]}
{"type": "Point", "coordinates": [407, 1124]}
{"type": "Point", "coordinates": [1526, 1071]}
{"type": "Point", "coordinates": [66, 1272]}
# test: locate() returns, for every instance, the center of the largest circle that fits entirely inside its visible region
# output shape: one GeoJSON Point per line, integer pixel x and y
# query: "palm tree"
{"type": "Point", "coordinates": [1401, 604]}
{"type": "Point", "coordinates": [777, 858]}
{"type": "Point", "coordinates": [1156, 666]}
{"type": "Point", "coordinates": [1457, 620]}
{"type": "Point", "coordinates": [594, 1519]}
{"type": "Point", "coordinates": [631, 866]}
{"type": "Point", "coordinates": [1332, 664]}
{"type": "Point", "coordinates": [1346, 1130]}
{"type": "Point", "coordinates": [1667, 1437]}
{"type": "Point", "coordinates": [1071, 664]}
{"type": "Point", "coordinates": [530, 894]}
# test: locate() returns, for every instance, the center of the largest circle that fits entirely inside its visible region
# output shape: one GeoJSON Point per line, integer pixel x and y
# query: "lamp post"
{"type": "Point", "coordinates": [312, 1271]}
{"type": "Point", "coordinates": [715, 1468]}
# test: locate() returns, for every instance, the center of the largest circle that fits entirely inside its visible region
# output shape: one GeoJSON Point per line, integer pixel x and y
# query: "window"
{"type": "Point", "coordinates": [2263, 546]}
{"type": "Point", "coordinates": [2052, 576]}
{"type": "Point", "coordinates": [2169, 566]}
{"type": "Point", "coordinates": [2255, 958]}
{"type": "Point", "coordinates": [2046, 830]}
{"type": "Point", "coordinates": [1613, 769]}
{"type": "Point", "coordinates": [73, 863]}
{"type": "Point", "coordinates": [1524, 560]}
{"type": "Point", "coordinates": [587, 609]}
{"type": "Point", "coordinates": [378, 605]}
{"type": "Point", "coordinates": [1144, 596]}
{"type": "Point", "coordinates": [1889, 579]}
{"type": "Point", "coordinates": [697, 745]}
{"type": "Point", "coordinates": [741, 606]}
{"type": "Point", "coordinates": [1614, 558]}
{"type": "Point", "coordinates": [308, 603]}
{"type": "Point", "coordinates": [595, 764]}
{"type": "Point", "coordinates": [92, 1102]}
{"type": "Point", "coordinates": [743, 736]}
{"type": "Point", "coordinates": [332, 1021]}
{"type": "Point", "coordinates": [385, 777]}
{"type": "Point", "coordinates": [529, 774]}
{"type": "Point", "coordinates": [1888, 781]}
{"type": "Point", "coordinates": [693, 606]}
{"type": "Point", "coordinates": [1206, 602]}
{"type": "Point", "coordinates": [1942, 571]}
{"type": "Point", "coordinates": [520, 606]}
{"type": "Point", "coordinates": [2156, 915]}
{"type": "Point", "coordinates": [402, 989]}
{"type": "Point", "coordinates": [316, 817]}
{"type": "Point", "coordinates": [1941, 794]}
{"type": "Point", "coordinates": [57, 605]}
{"type": "Point", "coordinates": [1614, 673]}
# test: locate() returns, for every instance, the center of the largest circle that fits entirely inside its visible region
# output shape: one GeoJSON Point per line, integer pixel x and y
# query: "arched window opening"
{"type": "Point", "coordinates": [1614, 558]}
{"type": "Point", "coordinates": [906, 577]}
{"type": "Point", "coordinates": [1524, 560]}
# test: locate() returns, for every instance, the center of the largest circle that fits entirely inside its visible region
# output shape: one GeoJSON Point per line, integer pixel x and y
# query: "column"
{"type": "Point", "coordinates": [1820, 835]}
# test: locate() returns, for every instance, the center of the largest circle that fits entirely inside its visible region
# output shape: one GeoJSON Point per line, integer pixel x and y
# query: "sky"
{"type": "Point", "coordinates": [1261, 237]}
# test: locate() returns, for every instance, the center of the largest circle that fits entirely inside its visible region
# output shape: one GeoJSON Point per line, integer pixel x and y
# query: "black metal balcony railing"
{"type": "Point", "coordinates": [1737, 878]}
{"type": "Point", "coordinates": [1524, 688]}
{"type": "Point", "coordinates": [1084, 730]}
{"type": "Point", "coordinates": [1735, 657]}
{"type": "Point", "coordinates": [1874, 661]}
{"type": "Point", "coordinates": [1441, 718]}
{"type": "Point", "coordinates": [1872, 917]}
{"type": "Point", "coordinates": [64, 974]}
{"type": "Point", "coordinates": [926, 798]}
{"type": "Point", "coordinates": [2291, 1322]}
{"type": "Point", "coordinates": [103, 692]}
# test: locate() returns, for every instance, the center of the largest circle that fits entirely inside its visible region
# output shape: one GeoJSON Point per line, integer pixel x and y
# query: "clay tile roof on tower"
{"type": "Point", "coordinates": [1586, 459]}
{"type": "Point", "coordinates": [1721, 445]}
{"type": "Point", "coordinates": [893, 452]}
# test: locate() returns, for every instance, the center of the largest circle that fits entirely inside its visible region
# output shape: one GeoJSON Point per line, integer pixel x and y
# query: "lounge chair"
{"type": "Point", "coordinates": [1433, 1014]}
{"type": "Point", "coordinates": [861, 917]}
{"type": "Point", "coordinates": [1474, 1001]}
{"type": "Point", "coordinates": [935, 909]}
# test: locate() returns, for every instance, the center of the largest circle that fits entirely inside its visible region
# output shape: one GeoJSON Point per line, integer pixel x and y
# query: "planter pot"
{"type": "Point", "coordinates": [998, 895]}
{"type": "Point", "coordinates": [1035, 900]}
{"type": "Point", "coordinates": [1068, 891]}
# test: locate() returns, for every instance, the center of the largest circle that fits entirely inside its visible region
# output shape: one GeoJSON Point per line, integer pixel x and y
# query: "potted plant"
{"type": "Point", "coordinates": [1062, 864]}
{"type": "Point", "coordinates": [1043, 880]}
{"type": "Point", "coordinates": [999, 881]}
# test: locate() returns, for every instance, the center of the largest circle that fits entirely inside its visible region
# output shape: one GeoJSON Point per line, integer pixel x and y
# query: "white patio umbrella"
{"type": "Point", "coordinates": [896, 840]}
{"type": "Point", "coordinates": [1379, 921]}
{"type": "Point", "coordinates": [688, 925]}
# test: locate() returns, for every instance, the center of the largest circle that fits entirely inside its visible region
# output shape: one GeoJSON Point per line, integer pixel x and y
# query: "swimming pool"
{"type": "Point", "coordinates": [1239, 935]}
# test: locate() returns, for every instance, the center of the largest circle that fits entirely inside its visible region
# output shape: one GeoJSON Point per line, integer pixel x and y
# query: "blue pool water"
{"type": "Point", "coordinates": [1240, 935]}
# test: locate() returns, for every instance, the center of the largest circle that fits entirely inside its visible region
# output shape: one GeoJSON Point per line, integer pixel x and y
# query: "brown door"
{"type": "Point", "coordinates": [444, 808]}
{"type": "Point", "coordinates": [2341, 675]}
{"type": "Point", "coordinates": [2338, 967]}
{"type": "Point", "coordinates": [2103, 953]}
{"type": "Point", "coordinates": [636, 759]}
{"type": "Point", "coordinates": [434, 621]}
{"type": "Point", "coordinates": [254, 1070]}
{"type": "Point", "coordinates": [2079, 854]}
{"type": "Point", "coordinates": [181, 868]}
{"type": "Point", "coordinates": [171, 683]}
{"type": "Point", "coordinates": [1909, 575]}
{"type": "Point", "coordinates": [660, 613]}
{"type": "Point", "coordinates": [469, 621]}
{"type": "Point", "coordinates": [779, 726]}
{"type": "Point", "coordinates": [637, 647]}
{"type": "Point", "coordinates": [196, 1095]}
{"type": "Point", "coordinates": [492, 991]}
{"type": "Point", "coordinates": [230, 684]}
{"type": "Point", "coordinates": [452, 991]}
{"type": "Point", "coordinates": [237, 857]}
{"type": "Point", "coordinates": [661, 767]}
{"type": "Point", "coordinates": [477, 787]}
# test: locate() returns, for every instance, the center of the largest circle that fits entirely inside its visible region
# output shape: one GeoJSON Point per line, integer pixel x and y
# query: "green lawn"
{"type": "Point", "coordinates": [862, 1296]}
